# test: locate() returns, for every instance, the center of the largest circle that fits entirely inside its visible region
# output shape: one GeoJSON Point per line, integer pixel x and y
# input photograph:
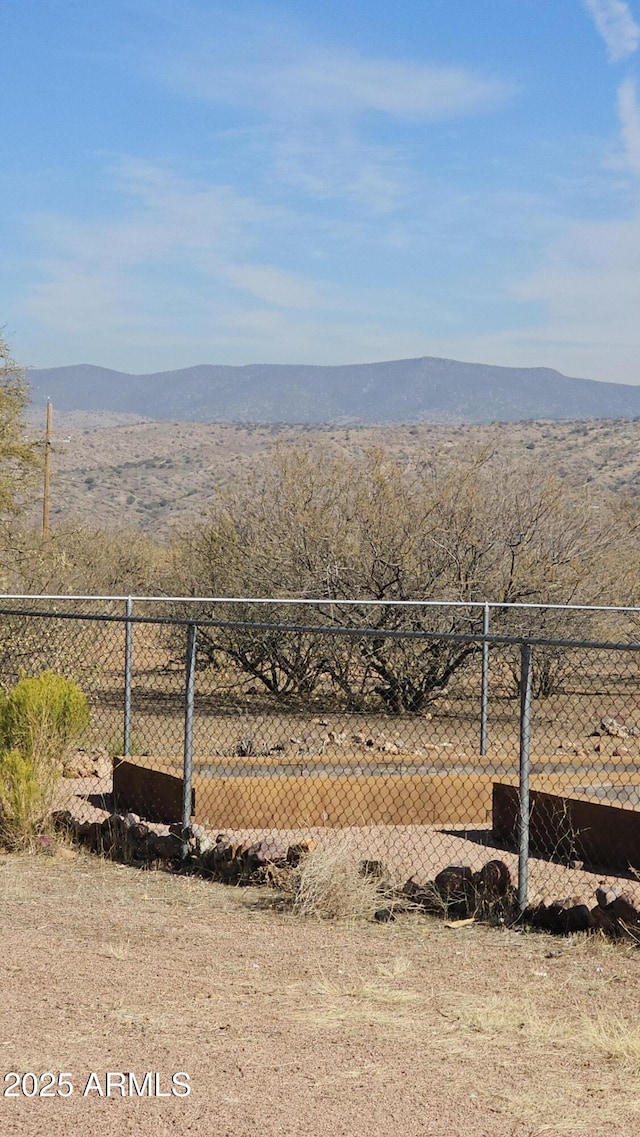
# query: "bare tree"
{"type": "Point", "coordinates": [316, 524]}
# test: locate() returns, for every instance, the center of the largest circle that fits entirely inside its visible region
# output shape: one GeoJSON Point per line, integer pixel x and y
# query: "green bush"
{"type": "Point", "coordinates": [40, 718]}
{"type": "Point", "coordinates": [24, 798]}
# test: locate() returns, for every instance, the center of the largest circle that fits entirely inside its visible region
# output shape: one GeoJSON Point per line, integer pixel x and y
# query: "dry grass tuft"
{"type": "Point", "coordinates": [330, 886]}
{"type": "Point", "coordinates": [340, 1002]}
{"type": "Point", "coordinates": [119, 951]}
{"type": "Point", "coordinates": [598, 1109]}
{"type": "Point", "coordinates": [351, 999]}
{"type": "Point", "coordinates": [499, 1016]}
{"type": "Point", "coordinates": [613, 1038]}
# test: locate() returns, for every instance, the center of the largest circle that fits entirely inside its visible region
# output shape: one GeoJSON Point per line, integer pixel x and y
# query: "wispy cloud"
{"type": "Point", "coordinates": [274, 286]}
{"type": "Point", "coordinates": [295, 79]}
{"type": "Point", "coordinates": [337, 163]}
{"type": "Point", "coordinates": [629, 113]}
{"type": "Point", "coordinates": [180, 254]}
{"type": "Point", "coordinates": [617, 26]}
{"type": "Point", "coordinates": [587, 288]}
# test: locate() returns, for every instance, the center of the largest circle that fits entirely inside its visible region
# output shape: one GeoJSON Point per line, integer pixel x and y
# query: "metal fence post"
{"type": "Point", "coordinates": [484, 696]}
{"type": "Point", "coordinates": [187, 769]}
{"type": "Point", "coordinates": [523, 795]}
{"type": "Point", "coordinates": [128, 644]}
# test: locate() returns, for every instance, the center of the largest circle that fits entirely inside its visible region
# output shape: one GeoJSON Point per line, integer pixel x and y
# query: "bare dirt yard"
{"type": "Point", "coordinates": [288, 1026]}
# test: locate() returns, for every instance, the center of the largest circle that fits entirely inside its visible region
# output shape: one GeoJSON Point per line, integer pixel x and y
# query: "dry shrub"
{"type": "Point", "coordinates": [329, 883]}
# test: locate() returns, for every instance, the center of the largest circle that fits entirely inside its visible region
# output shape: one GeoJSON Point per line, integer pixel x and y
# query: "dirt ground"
{"type": "Point", "coordinates": [296, 1028]}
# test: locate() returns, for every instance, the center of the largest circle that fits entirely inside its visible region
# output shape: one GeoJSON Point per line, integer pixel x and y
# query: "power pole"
{"type": "Point", "coordinates": [46, 496]}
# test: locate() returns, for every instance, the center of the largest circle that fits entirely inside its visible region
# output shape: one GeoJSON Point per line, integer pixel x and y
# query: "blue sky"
{"type": "Point", "coordinates": [317, 181]}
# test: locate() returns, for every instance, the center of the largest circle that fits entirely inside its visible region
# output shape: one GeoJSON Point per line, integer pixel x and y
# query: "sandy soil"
{"type": "Point", "coordinates": [290, 1027]}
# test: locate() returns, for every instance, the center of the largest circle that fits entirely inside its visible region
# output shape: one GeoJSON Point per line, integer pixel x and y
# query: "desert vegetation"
{"type": "Point", "coordinates": [40, 719]}
{"type": "Point", "coordinates": [311, 523]}
{"type": "Point", "coordinates": [470, 518]}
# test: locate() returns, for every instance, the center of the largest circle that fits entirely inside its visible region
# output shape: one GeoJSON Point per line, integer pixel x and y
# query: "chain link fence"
{"type": "Point", "coordinates": [430, 735]}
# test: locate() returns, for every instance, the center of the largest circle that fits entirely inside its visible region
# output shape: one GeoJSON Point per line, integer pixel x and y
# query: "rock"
{"type": "Point", "coordinates": [164, 847]}
{"type": "Point", "coordinates": [383, 915]}
{"type": "Point", "coordinates": [604, 922]}
{"type": "Point", "coordinates": [623, 908]}
{"type": "Point", "coordinates": [577, 918]}
{"type": "Point", "coordinates": [494, 879]}
{"type": "Point", "coordinates": [200, 839]}
{"type": "Point", "coordinates": [607, 894]}
{"type": "Point", "coordinates": [269, 851]}
{"type": "Point", "coordinates": [295, 853]}
{"type": "Point", "coordinates": [337, 738]}
{"type": "Point", "coordinates": [561, 917]}
{"type": "Point", "coordinates": [389, 748]}
{"type": "Point", "coordinates": [376, 870]}
{"type": "Point", "coordinates": [87, 764]}
{"type": "Point", "coordinates": [421, 894]}
{"type": "Point", "coordinates": [613, 728]}
{"type": "Point", "coordinates": [359, 739]}
{"type": "Point", "coordinates": [456, 888]}
{"type": "Point", "coordinates": [78, 765]}
{"type": "Point", "coordinates": [102, 766]}
{"type": "Point", "coordinates": [455, 878]}
{"type": "Point", "coordinates": [620, 752]}
{"type": "Point", "coordinates": [90, 833]}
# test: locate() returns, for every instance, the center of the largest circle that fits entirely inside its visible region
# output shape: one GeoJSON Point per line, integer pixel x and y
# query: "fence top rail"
{"type": "Point", "coordinates": [321, 602]}
{"type": "Point", "coordinates": [477, 638]}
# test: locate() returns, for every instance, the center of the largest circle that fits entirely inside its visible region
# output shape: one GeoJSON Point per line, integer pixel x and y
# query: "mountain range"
{"type": "Point", "coordinates": [399, 391]}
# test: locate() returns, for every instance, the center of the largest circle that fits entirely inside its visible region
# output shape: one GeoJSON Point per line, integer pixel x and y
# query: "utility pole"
{"type": "Point", "coordinates": [46, 496]}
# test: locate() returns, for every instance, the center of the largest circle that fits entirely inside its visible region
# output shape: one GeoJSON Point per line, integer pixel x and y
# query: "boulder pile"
{"type": "Point", "coordinates": [459, 893]}
{"type": "Point", "coordinates": [615, 913]}
{"type": "Point", "coordinates": [125, 836]}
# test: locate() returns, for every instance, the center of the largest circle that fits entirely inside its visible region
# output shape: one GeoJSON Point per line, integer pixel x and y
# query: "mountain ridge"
{"type": "Point", "coordinates": [424, 389]}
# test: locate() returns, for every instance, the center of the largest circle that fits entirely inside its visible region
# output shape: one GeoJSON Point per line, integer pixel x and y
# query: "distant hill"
{"type": "Point", "coordinates": [153, 474]}
{"type": "Point", "coordinates": [399, 391]}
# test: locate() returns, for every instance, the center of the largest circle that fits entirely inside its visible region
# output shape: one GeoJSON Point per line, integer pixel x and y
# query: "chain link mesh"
{"type": "Point", "coordinates": [363, 722]}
